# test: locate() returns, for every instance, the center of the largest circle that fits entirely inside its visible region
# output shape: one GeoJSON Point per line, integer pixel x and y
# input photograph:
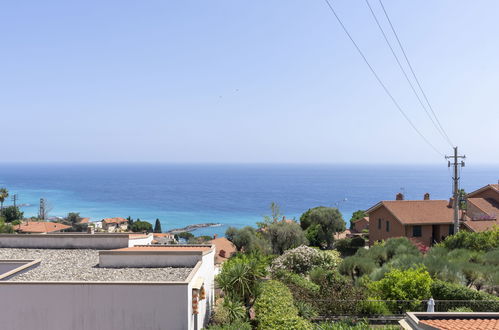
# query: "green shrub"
{"type": "Point", "coordinates": [482, 241]}
{"type": "Point", "coordinates": [305, 309]}
{"type": "Point", "coordinates": [356, 266]}
{"type": "Point", "coordinates": [295, 281]}
{"type": "Point", "coordinates": [371, 307]}
{"type": "Point", "coordinates": [240, 276]}
{"type": "Point", "coordinates": [441, 290]}
{"type": "Point", "coordinates": [303, 258]}
{"type": "Point", "coordinates": [461, 310]}
{"type": "Point", "coordinates": [413, 284]}
{"type": "Point", "coordinates": [351, 325]}
{"type": "Point", "coordinates": [345, 247]}
{"type": "Point", "coordinates": [234, 326]}
{"type": "Point", "coordinates": [274, 308]}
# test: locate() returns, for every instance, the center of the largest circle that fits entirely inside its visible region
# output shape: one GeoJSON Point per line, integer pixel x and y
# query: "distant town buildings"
{"type": "Point", "coordinates": [112, 225]}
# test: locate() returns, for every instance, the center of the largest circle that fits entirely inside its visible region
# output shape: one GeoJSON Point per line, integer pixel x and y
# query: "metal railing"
{"type": "Point", "coordinates": [337, 309]}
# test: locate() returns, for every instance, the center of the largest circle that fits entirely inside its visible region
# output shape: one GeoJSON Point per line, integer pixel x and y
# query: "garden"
{"type": "Point", "coordinates": [288, 276]}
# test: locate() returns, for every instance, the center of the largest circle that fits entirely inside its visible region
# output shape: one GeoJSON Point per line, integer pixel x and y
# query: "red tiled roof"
{"type": "Point", "coordinates": [40, 227]}
{"type": "Point", "coordinates": [114, 220]}
{"type": "Point", "coordinates": [480, 225]}
{"type": "Point", "coordinates": [85, 220]}
{"type": "Point", "coordinates": [364, 218]}
{"type": "Point", "coordinates": [223, 244]}
{"type": "Point", "coordinates": [419, 211]}
{"type": "Point", "coordinates": [463, 324]}
{"type": "Point", "coordinates": [489, 207]}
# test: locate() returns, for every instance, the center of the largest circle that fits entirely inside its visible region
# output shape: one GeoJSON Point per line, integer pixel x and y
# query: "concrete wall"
{"type": "Point", "coordinates": [91, 306]}
{"type": "Point", "coordinates": [149, 258]}
{"type": "Point", "coordinates": [64, 241]}
{"type": "Point", "coordinates": [207, 272]}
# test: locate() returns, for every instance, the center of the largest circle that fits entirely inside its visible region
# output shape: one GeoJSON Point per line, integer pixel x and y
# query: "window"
{"type": "Point", "coordinates": [387, 226]}
{"type": "Point", "coordinates": [379, 223]}
{"type": "Point", "coordinates": [451, 229]}
{"type": "Point", "coordinates": [416, 231]}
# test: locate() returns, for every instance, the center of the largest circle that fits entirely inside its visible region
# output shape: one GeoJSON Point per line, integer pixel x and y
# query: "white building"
{"type": "Point", "coordinates": [146, 287]}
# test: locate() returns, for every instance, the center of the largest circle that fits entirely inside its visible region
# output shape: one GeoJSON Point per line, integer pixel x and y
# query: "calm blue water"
{"type": "Point", "coordinates": [235, 195]}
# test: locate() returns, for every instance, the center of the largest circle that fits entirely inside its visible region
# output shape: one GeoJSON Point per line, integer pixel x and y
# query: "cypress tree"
{"type": "Point", "coordinates": [157, 226]}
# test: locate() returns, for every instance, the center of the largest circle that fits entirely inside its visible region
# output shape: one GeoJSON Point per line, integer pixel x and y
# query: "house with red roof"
{"type": "Point", "coordinates": [112, 225]}
{"type": "Point", "coordinates": [429, 221]}
{"type": "Point", "coordinates": [40, 227]}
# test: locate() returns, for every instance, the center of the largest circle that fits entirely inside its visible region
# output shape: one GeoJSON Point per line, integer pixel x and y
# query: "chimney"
{"type": "Point", "coordinates": [426, 197]}
{"type": "Point", "coordinates": [451, 202]}
{"type": "Point", "coordinates": [399, 197]}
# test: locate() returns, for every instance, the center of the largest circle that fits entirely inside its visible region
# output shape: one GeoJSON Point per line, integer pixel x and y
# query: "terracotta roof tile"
{"type": "Point", "coordinates": [463, 324]}
{"type": "Point", "coordinates": [40, 227]}
{"type": "Point", "coordinates": [421, 211]}
{"type": "Point", "coordinates": [223, 244]}
{"type": "Point", "coordinates": [114, 220]}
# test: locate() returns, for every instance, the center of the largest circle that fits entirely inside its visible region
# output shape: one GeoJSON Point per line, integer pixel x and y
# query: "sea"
{"type": "Point", "coordinates": [229, 194]}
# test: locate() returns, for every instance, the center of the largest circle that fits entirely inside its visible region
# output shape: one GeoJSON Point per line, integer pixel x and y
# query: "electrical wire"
{"type": "Point", "coordinates": [413, 72]}
{"type": "Point", "coordinates": [437, 127]}
{"type": "Point", "coordinates": [397, 105]}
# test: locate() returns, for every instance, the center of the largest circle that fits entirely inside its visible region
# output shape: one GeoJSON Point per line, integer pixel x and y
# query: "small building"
{"type": "Point", "coordinates": [449, 321]}
{"type": "Point", "coordinates": [224, 249]}
{"type": "Point", "coordinates": [360, 225]}
{"type": "Point", "coordinates": [40, 227]}
{"type": "Point", "coordinates": [112, 225]}
{"type": "Point", "coordinates": [164, 238]}
{"type": "Point", "coordinates": [422, 221]}
{"type": "Point", "coordinates": [164, 287]}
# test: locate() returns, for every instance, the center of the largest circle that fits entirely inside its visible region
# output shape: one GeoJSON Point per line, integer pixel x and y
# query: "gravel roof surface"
{"type": "Point", "coordinates": [82, 265]}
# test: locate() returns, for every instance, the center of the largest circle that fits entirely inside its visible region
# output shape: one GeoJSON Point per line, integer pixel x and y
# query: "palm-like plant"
{"type": "Point", "coordinates": [4, 193]}
{"type": "Point", "coordinates": [239, 278]}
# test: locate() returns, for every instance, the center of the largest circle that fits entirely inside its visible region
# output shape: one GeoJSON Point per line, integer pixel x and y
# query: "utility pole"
{"type": "Point", "coordinates": [455, 163]}
{"type": "Point", "coordinates": [41, 212]}
{"type": "Point", "coordinates": [14, 199]}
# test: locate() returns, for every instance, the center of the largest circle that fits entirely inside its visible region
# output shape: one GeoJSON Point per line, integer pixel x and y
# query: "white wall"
{"type": "Point", "coordinates": [64, 241]}
{"type": "Point", "coordinates": [140, 241]}
{"type": "Point", "coordinates": [206, 271]}
{"type": "Point", "coordinates": [93, 306]}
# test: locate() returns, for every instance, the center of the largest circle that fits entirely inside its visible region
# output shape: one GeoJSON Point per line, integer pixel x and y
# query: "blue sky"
{"type": "Point", "coordinates": [242, 81]}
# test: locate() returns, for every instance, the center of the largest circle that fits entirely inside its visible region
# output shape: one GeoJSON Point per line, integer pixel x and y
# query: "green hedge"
{"type": "Point", "coordinates": [297, 281]}
{"type": "Point", "coordinates": [441, 290]}
{"type": "Point", "coordinates": [274, 309]}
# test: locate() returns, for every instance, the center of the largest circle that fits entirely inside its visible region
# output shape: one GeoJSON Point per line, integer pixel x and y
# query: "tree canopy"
{"type": "Point", "coordinates": [247, 239]}
{"type": "Point", "coordinates": [12, 213]}
{"type": "Point", "coordinates": [321, 224]}
{"type": "Point", "coordinates": [140, 226]}
{"type": "Point", "coordinates": [157, 226]}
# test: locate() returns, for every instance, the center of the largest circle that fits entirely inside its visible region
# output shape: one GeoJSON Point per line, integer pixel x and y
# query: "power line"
{"type": "Point", "coordinates": [442, 133]}
{"type": "Point", "coordinates": [397, 105]}
{"type": "Point", "coordinates": [413, 72]}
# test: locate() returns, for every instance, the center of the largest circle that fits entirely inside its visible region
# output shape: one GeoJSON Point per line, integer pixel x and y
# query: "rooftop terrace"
{"type": "Point", "coordinates": [82, 265]}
